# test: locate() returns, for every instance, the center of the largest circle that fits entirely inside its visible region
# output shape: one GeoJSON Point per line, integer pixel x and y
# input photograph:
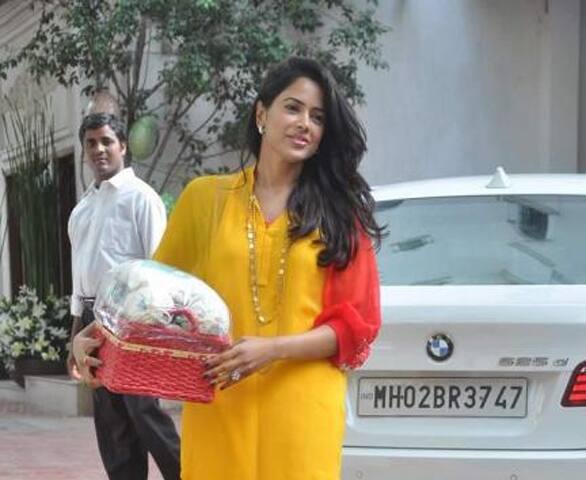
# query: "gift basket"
{"type": "Point", "coordinates": [158, 324]}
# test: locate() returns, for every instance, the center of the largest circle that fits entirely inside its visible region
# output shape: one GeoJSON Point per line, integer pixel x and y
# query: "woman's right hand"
{"type": "Point", "coordinates": [83, 345]}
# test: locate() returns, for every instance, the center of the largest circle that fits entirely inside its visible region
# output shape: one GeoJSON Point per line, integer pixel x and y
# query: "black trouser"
{"type": "Point", "coordinates": [128, 427]}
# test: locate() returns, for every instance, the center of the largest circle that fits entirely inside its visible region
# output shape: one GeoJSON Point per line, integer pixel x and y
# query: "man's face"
{"type": "Point", "coordinates": [104, 152]}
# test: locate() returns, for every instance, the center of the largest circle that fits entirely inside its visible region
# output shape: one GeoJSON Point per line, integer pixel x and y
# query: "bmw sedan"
{"type": "Point", "coordinates": [479, 371]}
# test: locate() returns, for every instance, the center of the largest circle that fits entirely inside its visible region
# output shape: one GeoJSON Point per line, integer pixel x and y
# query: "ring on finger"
{"type": "Point", "coordinates": [235, 375]}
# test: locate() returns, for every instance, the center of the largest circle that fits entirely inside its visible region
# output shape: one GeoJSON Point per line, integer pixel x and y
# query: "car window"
{"type": "Point", "coordinates": [532, 239]}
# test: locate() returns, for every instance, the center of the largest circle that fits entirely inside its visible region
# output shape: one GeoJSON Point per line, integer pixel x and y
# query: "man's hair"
{"type": "Point", "coordinates": [99, 120]}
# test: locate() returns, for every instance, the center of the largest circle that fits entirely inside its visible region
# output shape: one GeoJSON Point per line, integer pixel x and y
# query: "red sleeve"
{"type": "Point", "coordinates": [351, 306]}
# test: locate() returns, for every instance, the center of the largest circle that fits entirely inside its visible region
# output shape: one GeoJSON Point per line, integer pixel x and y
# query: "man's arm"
{"type": "Point", "coordinates": [76, 307]}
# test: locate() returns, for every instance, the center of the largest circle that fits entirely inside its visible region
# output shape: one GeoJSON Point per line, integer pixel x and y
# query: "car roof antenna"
{"type": "Point", "coordinates": [500, 179]}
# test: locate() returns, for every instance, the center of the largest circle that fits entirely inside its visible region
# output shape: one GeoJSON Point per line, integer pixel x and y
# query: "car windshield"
{"type": "Point", "coordinates": [532, 239]}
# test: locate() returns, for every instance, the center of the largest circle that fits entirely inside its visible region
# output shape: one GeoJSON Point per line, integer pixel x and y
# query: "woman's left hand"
{"type": "Point", "coordinates": [246, 356]}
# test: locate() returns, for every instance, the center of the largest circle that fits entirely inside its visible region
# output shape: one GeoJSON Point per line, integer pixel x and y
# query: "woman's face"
{"type": "Point", "coordinates": [294, 123]}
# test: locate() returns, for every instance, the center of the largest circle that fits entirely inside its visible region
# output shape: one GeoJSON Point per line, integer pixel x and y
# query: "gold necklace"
{"type": "Point", "coordinates": [261, 318]}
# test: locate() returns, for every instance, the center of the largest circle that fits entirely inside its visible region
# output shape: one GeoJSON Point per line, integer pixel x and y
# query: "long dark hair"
{"type": "Point", "coordinates": [330, 194]}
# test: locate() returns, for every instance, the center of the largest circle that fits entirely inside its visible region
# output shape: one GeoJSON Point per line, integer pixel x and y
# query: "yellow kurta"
{"type": "Point", "coordinates": [286, 422]}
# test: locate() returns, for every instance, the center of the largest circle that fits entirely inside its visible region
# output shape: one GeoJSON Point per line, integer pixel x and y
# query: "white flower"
{"type": "Point", "coordinates": [38, 310]}
{"type": "Point", "coordinates": [51, 354]}
{"type": "Point", "coordinates": [40, 345]}
{"type": "Point", "coordinates": [24, 323]}
{"type": "Point", "coordinates": [17, 349]}
{"type": "Point", "coordinates": [30, 326]}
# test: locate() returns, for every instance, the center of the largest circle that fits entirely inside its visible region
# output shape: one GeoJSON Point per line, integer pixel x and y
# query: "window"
{"type": "Point", "coordinates": [534, 239]}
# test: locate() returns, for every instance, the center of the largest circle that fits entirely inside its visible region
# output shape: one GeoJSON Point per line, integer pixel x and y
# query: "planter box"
{"type": "Point", "coordinates": [58, 395]}
{"type": "Point", "coordinates": [34, 366]}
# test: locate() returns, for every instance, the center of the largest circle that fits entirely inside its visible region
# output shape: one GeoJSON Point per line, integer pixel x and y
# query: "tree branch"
{"type": "Point", "coordinates": [146, 63]}
{"type": "Point", "coordinates": [136, 65]}
{"type": "Point", "coordinates": [173, 168]}
{"type": "Point", "coordinates": [205, 122]}
{"type": "Point", "coordinates": [139, 52]}
{"type": "Point", "coordinates": [163, 144]}
{"type": "Point", "coordinates": [119, 90]}
{"type": "Point", "coordinates": [188, 106]}
{"type": "Point", "coordinates": [154, 88]}
{"type": "Point", "coordinates": [154, 109]}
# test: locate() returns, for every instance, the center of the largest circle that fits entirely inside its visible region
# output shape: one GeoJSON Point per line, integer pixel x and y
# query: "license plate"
{"type": "Point", "coordinates": [442, 397]}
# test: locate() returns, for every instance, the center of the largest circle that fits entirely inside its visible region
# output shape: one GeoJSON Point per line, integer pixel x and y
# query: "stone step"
{"type": "Point", "coordinates": [11, 392]}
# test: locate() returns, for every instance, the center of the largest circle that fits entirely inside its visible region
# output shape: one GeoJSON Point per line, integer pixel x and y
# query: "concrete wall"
{"type": "Point", "coordinates": [474, 84]}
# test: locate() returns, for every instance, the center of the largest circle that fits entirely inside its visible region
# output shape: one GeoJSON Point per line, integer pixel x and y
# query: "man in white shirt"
{"type": "Point", "coordinates": [118, 218]}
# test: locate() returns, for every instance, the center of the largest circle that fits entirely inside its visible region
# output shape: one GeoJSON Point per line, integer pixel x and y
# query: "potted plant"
{"type": "Point", "coordinates": [33, 334]}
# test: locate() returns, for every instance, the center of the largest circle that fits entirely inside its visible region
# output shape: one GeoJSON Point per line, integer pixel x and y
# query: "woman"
{"type": "Point", "coordinates": [287, 244]}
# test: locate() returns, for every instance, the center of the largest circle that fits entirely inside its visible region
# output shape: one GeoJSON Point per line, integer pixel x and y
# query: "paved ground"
{"type": "Point", "coordinates": [41, 447]}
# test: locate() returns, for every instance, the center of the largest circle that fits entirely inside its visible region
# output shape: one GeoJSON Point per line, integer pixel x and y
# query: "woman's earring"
{"type": "Point", "coordinates": [261, 130]}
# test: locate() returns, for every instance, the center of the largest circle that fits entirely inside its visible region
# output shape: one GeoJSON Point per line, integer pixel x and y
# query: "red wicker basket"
{"type": "Point", "coordinates": [152, 370]}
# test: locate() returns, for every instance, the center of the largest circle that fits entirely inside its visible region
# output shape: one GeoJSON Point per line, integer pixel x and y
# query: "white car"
{"type": "Point", "coordinates": [479, 371]}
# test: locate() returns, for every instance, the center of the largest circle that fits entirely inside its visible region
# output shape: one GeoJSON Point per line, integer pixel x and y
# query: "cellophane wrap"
{"type": "Point", "coordinates": [145, 302]}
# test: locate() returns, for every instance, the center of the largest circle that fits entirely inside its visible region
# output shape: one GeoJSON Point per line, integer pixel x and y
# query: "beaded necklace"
{"type": "Point", "coordinates": [261, 317]}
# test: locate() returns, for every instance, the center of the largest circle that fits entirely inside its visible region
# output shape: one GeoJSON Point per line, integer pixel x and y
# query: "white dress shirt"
{"type": "Point", "coordinates": [122, 220]}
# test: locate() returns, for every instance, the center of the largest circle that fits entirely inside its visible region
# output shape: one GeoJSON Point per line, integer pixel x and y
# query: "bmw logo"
{"type": "Point", "coordinates": [440, 347]}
